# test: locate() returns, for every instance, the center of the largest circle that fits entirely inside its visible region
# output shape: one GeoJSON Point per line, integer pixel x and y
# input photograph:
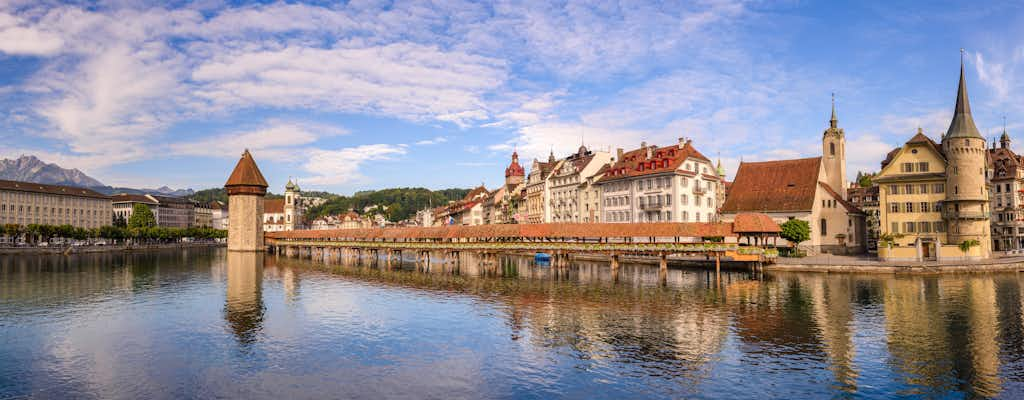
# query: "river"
{"type": "Point", "coordinates": [203, 323]}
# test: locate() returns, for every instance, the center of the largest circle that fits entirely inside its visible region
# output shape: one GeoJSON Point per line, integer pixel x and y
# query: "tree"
{"type": "Point", "coordinates": [119, 221]}
{"type": "Point", "coordinates": [864, 179]}
{"type": "Point", "coordinates": [796, 231]}
{"type": "Point", "coordinates": [966, 245]}
{"type": "Point", "coordinates": [141, 217]}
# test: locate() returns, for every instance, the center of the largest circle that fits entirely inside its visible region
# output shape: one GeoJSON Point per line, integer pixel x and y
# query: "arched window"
{"type": "Point", "coordinates": [831, 149]}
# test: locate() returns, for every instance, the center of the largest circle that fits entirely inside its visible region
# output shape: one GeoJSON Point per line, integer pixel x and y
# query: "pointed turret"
{"type": "Point", "coordinates": [962, 125]}
{"type": "Point", "coordinates": [833, 122]}
{"type": "Point", "coordinates": [246, 177]}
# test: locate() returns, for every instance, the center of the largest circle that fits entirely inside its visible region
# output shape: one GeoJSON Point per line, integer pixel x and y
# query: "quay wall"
{"type": "Point", "coordinates": [103, 249]}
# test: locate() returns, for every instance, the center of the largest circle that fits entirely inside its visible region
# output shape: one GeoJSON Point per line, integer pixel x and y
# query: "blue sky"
{"type": "Point", "coordinates": [373, 94]}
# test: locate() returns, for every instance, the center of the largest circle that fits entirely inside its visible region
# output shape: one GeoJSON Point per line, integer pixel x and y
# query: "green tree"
{"type": "Point", "coordinates": [966, 245]}
{"type": "Point", "coordinates": [141, 217]}
{"type": "Point", "coordinates": [796, 231]}
{"type": "Point", "coordinates": [119, 221]}
{"type": "Point", "coordinates": [864, 179]}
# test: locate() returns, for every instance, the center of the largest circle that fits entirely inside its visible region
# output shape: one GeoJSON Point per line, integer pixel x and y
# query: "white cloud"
{"type": "Point", "coordinates": [430, 142]}
{"type": "Point", "coordinates": [275, 139]}
{"type": "Point", "coordinates": [335, 167]}
{"type": "Point", "coordinates": [18, 39]}
{"type": "Point", "coordinates": [994, 75]}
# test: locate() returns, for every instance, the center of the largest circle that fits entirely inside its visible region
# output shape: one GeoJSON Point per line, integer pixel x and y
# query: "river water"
{"type": "Point", "coordinates": [208, 324]}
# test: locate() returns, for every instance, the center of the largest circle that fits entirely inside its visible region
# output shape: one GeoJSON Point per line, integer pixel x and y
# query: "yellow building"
{"type": "Point", "coordinates": [935, 197]}
{"type": "Point", "coordinates": [912, 187]}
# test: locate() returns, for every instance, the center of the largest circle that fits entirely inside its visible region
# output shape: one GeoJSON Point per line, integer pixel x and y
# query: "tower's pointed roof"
{"type": "Point", "coordinates": [962, 125]}
{"type": "Point", "coordinates": [246, 173]}
{"type": "Point", "coordinates": [833, 122]}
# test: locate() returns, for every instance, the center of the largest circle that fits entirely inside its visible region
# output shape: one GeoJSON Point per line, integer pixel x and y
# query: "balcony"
{"type": "Point", "coordinates": [949, 214]}
{"type": "Point", "coordinates": [697, 189]}
{"type": "Point", "coordinates": [654, 206]}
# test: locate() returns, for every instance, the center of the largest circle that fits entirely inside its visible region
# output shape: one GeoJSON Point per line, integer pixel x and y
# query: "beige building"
{"type": "Point", "coordinates": [170, 212]}
{"type": "Point", "coordinates": [935, 197]}
{"type": "Point", "coordinates": [568, 186]}
{"type": "Point", "coordinates": [538, 191]}
{"type": "Point", "coordinates": [203, 214]}
{"type": "Point", "coordinates": [809, 189]}
{"type": "Point", "coordinates": [25, 203]}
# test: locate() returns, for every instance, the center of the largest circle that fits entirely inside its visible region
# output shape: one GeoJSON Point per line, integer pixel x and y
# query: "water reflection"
{"type": "Point", "coordinates": [243, 305]}
{"type": "Point", "coordinates": [136, 326]}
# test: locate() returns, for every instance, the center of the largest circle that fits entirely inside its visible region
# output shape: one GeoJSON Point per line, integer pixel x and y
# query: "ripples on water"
{"type": "Point", "coordinates": [201, 324]}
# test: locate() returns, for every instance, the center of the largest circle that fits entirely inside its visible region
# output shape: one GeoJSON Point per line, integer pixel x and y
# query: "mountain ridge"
{"type": "Point", "coordinates": [29, 168]}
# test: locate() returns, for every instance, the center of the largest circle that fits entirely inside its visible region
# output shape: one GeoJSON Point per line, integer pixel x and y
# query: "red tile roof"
{"type": "Point", "coordinates": [273, 206]}
{"type": "Point", "coordinates": [514, 169]}
{"type": "Point", "coordinates": [49, 189]}
{"type": "Point", "coordinates": [246, 173]}
{"type": "Point", "coordinates": [754, 223]}
{"type": "Point", "coordinates": [850, 208]}
{"type": "Point", "coordinates": [774, 186]}
{"type": "Point", "coordinates": [663, 160]}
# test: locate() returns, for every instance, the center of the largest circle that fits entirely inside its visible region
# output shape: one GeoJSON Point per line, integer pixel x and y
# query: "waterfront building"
{"type": "Point", "coordinates": [935, 197]}
{"type": "Point", "coordinates": [1006, 193]}
{"type": "Point", "coordinates": [203, 215]}
{"type": "Point", "coordinates": [218, 214]}
{"type": "Point", "coordinates": [566, 185]}
{"type": "Point", "coordinates": [169, 212]}
{"type": "Point", "coordinates": [673, 183]}
{"type": "Point", "coordinates": [284, 214]}
{"type": "Point", "coordinates": [721, 190]}
{"type": "Point", "coordinates": [538, 190]}
{"type": "Point", "coordinates": [866, 199]}
{"type": "Point", "coordinates": [810, 189]}
{"type": "Point", "coordinates": [504, 205]}
{"type": "Point", "coordinates": [468, 211]}
{"type": "Point", "coordinates": [25, 203]}
{"type": "Point", "coordinates": [245, 188]}
{"type": "Point", "coordinates": [590, 195]}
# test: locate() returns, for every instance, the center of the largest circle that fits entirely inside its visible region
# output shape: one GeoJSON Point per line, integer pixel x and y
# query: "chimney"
{"type": "Point", "coordinates": [682, 142]}
{"type": "Point", "coordinates": [618, 154]}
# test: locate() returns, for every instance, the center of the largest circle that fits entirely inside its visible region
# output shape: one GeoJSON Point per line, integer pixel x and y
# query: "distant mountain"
{"type": "Point", "coordinates": [32, 169]}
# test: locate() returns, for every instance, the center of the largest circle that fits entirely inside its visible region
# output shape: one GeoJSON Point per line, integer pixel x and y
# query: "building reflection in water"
{"type": "Point", "coordinates": [243, 305]}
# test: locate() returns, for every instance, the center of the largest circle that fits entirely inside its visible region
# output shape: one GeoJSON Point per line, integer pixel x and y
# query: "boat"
{"type": "Point", "coordinates": [542, 259]}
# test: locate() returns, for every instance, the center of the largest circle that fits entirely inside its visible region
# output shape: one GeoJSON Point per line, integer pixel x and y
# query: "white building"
{"type": "Point", "coordinates": [660, 184]}
{"type": "Point", "coordinates": [219, 214]}
{"type": "Point", "coordinates": [284, 214]}
{"type": "Point", "coordinates": [567, 180]}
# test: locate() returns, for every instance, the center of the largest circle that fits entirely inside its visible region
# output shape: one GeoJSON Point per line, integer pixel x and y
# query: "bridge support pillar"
{"type": "Point", "coordinates": [663, 262]}
{"type": "Point", "coordinates": [615, 262]}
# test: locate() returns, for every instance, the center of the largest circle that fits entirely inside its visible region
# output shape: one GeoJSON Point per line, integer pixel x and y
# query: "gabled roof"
{"type": "Point", "coordinates": [1003, 162]}
{"type": "Point", "coordinates": [273, 206]}
{"type": "Point", "coordinates": [246, 173]}
{"type": "Point", "coordinates": [850, 208]}
{"type": "Point", "coordinates": [918, 138]}
{"type": "Point", "coordinates": [662, 160]}
{"type": "Point", "coordinates": [754, 223]}
{"type": "Point", "coordinates": [774, 186]}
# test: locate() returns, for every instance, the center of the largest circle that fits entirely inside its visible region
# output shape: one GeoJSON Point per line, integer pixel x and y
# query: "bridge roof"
{"type": "Point", "coordinates": [743, 225]}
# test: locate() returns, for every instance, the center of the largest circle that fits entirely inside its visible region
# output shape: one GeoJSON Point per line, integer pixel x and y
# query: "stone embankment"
{"type": "Point", "coordinates": [102, 249]}
{"type": "Point", "coordinates": [867, 264]}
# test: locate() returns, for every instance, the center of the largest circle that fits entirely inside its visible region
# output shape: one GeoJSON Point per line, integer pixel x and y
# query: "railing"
{"type": "Point", "coordinates": [698, 189]}
{"type": "Point", "coordinates": [653, 206]}
{"type": "Point", "coordinates": [951, 214]}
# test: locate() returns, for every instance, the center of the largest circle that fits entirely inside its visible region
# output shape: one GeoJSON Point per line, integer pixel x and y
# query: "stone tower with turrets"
{"type": "Point", "coordinates": [514, 174]}
{"type": "Point", "coordinates": [833, 154]}
{"type": "Point", "coordinates": [965, 208]}
{"type": "Point", "coordinates": [245, 188]}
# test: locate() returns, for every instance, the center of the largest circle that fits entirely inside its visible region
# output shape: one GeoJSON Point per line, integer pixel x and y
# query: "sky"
{"type": "Point", "coordinates": [374, 94]}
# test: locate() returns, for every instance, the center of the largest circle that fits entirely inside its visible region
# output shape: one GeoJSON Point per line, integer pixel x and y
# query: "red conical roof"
{"type": "Point", "coordinates": [246, 173]}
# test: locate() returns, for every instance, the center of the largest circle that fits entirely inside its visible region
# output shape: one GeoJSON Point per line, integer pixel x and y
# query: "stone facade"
{"type": "Point", "coordinates": [1006, 191]}
{"type": "Point", "coordinates": [570, 201]}
{"type": "Point", "coordinates": [245, 188]}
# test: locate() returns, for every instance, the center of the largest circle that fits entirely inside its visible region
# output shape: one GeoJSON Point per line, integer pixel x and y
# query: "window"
{"type": "Point", "coordinates": [937, 207]}
{"type": "Point", "coordinates": [923, 188]}
{"type": "Point", "coordinates": [908, 189]}
{"type": "Point", "coordinates": [908, 207]}
{"type": "Point", "coordinates": [908, 227]}
{"type": "Point", "coordinates": [893, 189]}
{"type": "Point", "coordinates": [924, 227]}
{"type": "Point", "coordinates": [939, 188]}
{"type": "Point", "coordinates": [999, 188]}
{"type": "Point", "coordinates": [895, 227]}
{"type": "Point", "coordinates": [683, 200]}
{"type": "Point", "coordinates": [832, 149]}
{"type": "Point", "coordinates": [824, 227]}
{"type": "Point", "coordinates": [907, 167]}
{"type": "Point", "coordinates": [924, 206]}
{"type": "Point", "coordinates": [922, 166]}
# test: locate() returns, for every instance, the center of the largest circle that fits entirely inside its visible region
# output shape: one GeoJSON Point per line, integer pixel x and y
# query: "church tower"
{"type": "Point", "coordinates": [833, 154]}
{"type": "Point", "coordinates": [966, 205]}
{"type": "Point", "coordinates": [515, 173]}
{"type": "Point", "coordinates": [291, 198]}
{"type": "Point", "coordinates": [246, 188]}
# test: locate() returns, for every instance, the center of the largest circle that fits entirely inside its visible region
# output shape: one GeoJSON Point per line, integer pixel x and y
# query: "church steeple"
{"type": "Point", "coordinates": [1004, 139]}
{"type": "Point", "coordinates": [962, 125]}
{"type": "Point", "coordinates": [833, 122]}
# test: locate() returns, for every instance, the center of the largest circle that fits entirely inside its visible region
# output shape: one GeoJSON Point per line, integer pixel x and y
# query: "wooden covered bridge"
{"type": "Point", "coordinates": [719, 241]}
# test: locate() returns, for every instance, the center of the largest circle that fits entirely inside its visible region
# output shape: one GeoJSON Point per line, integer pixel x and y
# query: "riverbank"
{"type": "Point", "coordinates": [869, 264]}
{"type": "Point", "coordinates": [105, 249]}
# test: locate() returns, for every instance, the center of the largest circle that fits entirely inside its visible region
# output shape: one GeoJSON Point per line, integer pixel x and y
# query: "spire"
{"type": "Point", "coordinates": [246, 175]}
{"type": "Point", "coordinates": [962, 125]}
{"type": "Point", "coordinates": [833, 122]}
{"type": "Point", "coordinates": [1004, 139]}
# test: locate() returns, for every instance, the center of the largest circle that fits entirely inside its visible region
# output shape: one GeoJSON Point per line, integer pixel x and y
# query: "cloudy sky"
{"type": "Point", "coordinates": [373, 94]}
